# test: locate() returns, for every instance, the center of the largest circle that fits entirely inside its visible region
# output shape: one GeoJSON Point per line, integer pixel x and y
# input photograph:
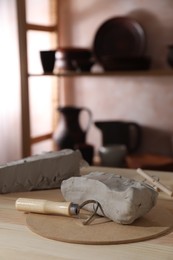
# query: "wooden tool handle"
{"type": "Point", "coordinates": [43, 206]}
{"type": "Point", "coordinates": [155, 182]}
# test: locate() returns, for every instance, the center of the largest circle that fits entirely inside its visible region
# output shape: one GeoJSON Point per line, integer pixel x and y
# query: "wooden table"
{"type": "Point", "coordinates": [17, 242]}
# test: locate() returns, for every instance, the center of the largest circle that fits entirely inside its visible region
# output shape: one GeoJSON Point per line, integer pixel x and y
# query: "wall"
{"type": "Point", "coordinates": [10, 107]}
{"type": "Point", "coordinates": [145, 99]}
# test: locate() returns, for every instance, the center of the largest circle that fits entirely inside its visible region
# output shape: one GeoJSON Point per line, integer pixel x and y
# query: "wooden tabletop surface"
{"type": "Point", "coordinates": [17, 242]}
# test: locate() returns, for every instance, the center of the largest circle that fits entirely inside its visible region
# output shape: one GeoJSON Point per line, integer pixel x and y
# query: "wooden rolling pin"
{"type": "Point", "coordinates": [47, 207]}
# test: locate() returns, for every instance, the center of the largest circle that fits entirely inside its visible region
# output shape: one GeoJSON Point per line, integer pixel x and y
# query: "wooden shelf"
{"type": "Point", "coordinates": [35, 27]}
{"type": "Point", "coordinates": [107, 73]}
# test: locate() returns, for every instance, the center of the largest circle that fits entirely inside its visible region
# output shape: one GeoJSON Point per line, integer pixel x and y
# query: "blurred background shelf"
{"type": "Point", "coordinates": [107, 73]}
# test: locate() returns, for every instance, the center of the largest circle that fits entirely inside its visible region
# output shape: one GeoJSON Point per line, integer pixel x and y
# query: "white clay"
{"type": "Point", "coordinates": [123, 200]}
{"type": "Point", "coordinates": [44, 171]}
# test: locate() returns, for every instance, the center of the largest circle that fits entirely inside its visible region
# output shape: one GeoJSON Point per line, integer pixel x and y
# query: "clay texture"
{"type": "Point", "coordinates": [123, 200]}
{"type": "Point", "coordinates": [44, 171]}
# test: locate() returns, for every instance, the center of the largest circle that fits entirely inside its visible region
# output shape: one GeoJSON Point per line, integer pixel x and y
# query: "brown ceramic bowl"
{"type": "Point", "coordinates": [73, 53]}
{"type": "Point", "coordinates": [71, 58]}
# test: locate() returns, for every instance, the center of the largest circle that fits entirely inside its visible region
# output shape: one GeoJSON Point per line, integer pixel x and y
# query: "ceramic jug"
{"type": "Point", "coordinates": [170, 55]}
{"type": "Point", "coordinates": [120, 132]}
{"type": "Point", "coordinates": [69, 132]}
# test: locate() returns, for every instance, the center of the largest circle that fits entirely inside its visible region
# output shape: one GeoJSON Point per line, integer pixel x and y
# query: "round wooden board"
{"type": "Point", "coordinates": [70, 229]}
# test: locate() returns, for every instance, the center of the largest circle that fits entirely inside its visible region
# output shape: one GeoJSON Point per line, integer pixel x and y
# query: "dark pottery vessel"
{"type": "Point", "coordinates": [170, 55]}
{"type": "Point", "coordinates": [47, 60]}
{"type": "Point", "coordinates": [120, 132]}
{"type": "Point", "coordinates": [69, 132]}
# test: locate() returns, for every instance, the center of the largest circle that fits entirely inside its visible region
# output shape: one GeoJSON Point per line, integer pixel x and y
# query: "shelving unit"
{"type": "Point", "coordinates": [27, 140]}
{"type": "Point", "coordinates": [109, 73]}
{"type": "Point", "coordinates": [24, 27]}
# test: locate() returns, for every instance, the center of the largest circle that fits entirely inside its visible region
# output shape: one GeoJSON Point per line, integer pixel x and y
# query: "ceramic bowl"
{"type": "Point", "coordinates": [113, 155]}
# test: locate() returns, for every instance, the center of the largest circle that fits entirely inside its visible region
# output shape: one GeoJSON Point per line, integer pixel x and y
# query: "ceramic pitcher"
{"type": "Point", "coordinates": [120, 132]}
{"type": "Point", "coordinates": [69, 132]}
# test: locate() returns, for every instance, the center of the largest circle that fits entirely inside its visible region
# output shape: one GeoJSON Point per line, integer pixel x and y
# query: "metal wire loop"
{"type": "Point", "coordinates": [155, 178]}
{"type": "Point", "coordinates": [96, 206]}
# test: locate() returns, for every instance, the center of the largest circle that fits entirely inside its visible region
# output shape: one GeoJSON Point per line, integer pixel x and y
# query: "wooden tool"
{"type": "Point", "coordinates": [154, 182]}
{"type": "Point", "coordinates": [47, 207]}
{"type": "Point", "coordinates": [102, 231]}
{"type": "Point", "coordinates": [61, 208]}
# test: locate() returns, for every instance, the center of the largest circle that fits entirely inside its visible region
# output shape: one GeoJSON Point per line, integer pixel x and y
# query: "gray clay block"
{"type": "Point", "coordinates": [123, 200]}
{"type": "Point", "coordinates": [44, 171]}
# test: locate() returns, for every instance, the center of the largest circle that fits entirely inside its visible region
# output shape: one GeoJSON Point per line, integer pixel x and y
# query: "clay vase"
{"type": "Point", "coordinates": [120, 132]}
{"type": "Point", "coordinates": [69, 132]}
{"type": "Point", "coordinates": [48, 60]}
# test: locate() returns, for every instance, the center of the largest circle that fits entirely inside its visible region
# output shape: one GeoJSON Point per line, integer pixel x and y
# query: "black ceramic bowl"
{"type": "Point", "coordinates": [110, 63]}
{"type": "Point", "coordinates": [74, 64]}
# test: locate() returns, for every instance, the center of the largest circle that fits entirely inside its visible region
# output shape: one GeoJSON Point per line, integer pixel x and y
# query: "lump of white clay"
{"type": "Point", "coordinates": [43, 171]}
{"type": "Point", "coordinates": [122, 199]}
